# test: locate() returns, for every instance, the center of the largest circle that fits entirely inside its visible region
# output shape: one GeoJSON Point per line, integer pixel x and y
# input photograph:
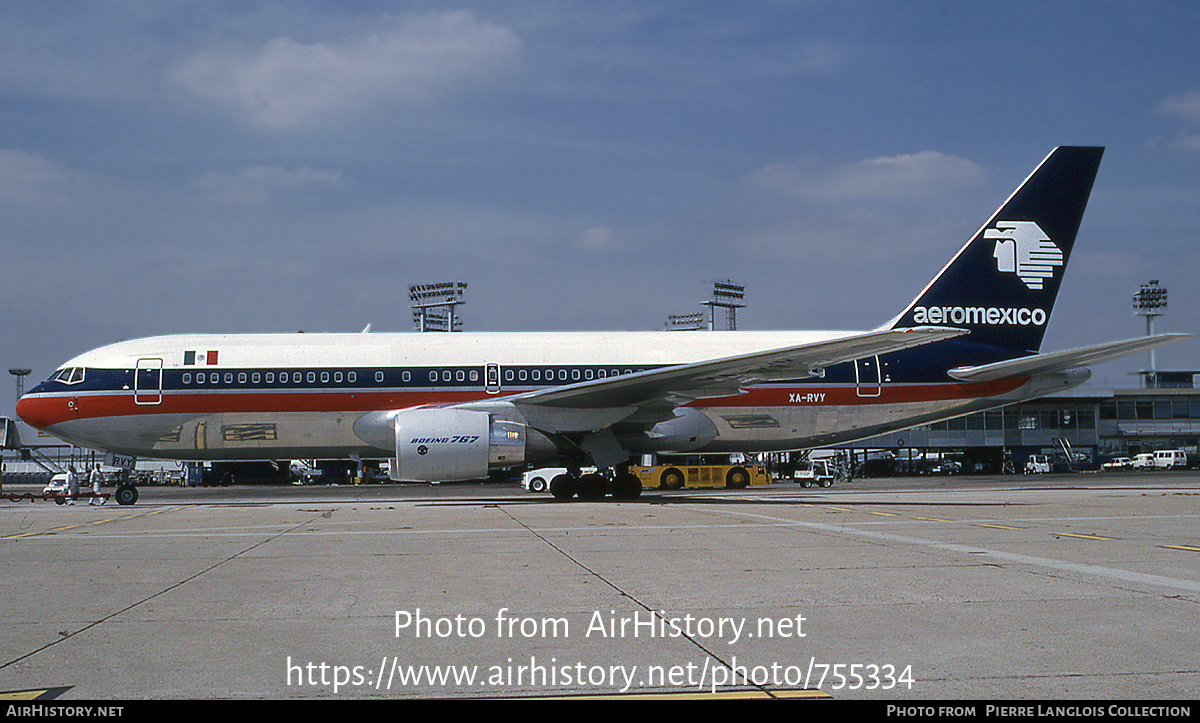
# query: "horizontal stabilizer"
{"type": "Point", "coordinates": [1060, 361]}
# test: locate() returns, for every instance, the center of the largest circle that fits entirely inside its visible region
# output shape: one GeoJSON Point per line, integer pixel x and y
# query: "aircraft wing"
{"type": "Point", "coordinates": [1063, 360]}
{"type": "Point", "coordinates": [660, 390]}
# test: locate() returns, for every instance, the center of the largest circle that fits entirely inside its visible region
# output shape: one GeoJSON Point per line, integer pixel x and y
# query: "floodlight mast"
{"type": "Point", "coordinates": [20, 374]}
{"type": "Point", "coordinates": [428, 300]}
{"type": "Point", "coordinates": [1150, 301]}
{"type": "Point", "coordinates": [728, 296]}
{"type": "Point", "coordinates": [685, 322]}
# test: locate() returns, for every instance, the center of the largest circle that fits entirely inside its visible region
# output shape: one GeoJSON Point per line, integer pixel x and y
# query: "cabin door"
{"type": "Point", "coordinates": [867, 377]}
{"type": "Point", "coordinates": [147, 381]}
{"type": "Point", "coordinates": [491, 378]}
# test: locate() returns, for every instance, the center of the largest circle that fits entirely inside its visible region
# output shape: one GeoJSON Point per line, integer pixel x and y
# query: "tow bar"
{"type": "Point", "coordinates": [125, 495]}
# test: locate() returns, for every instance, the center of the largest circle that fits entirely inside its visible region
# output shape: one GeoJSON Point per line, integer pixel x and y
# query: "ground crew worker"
{"type": "Point", "coordinates": [72, 484]}
{"type": "Point", "coordinates": [96, 477]}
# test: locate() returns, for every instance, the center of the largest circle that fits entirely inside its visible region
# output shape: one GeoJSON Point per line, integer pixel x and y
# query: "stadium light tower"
{"type": "Point", "coordinates": [1150, 301]}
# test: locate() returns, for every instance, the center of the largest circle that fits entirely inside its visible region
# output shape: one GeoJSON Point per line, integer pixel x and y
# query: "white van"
{"type": "Point", "coordinates": [1144, 461]}
{"type": "Point", "coordinates": [1037, 464]}
{"type": "Point", "coordinates": [57, 485]}
{"type": "Point", "coordinates": [1170, 459]}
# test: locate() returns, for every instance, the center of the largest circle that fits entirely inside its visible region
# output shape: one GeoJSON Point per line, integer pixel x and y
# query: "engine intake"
{"type": "Point", "coordinates": [446, 445]}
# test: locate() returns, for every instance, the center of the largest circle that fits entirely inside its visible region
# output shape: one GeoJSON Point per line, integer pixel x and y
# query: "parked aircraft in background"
{"type": "Point", "coordinates": [453, 406]}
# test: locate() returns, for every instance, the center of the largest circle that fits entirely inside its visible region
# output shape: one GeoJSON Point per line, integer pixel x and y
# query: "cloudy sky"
{"type": "Point", "coordinates": [207, 166]}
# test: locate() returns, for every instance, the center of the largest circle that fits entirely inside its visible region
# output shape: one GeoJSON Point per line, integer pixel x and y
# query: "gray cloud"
{"type": "Point", "coordinates": [259, 184]}
{"type": "Point", "coordinates": [409, 61]}
{"type": "Point", "coordinates": [1185, 106]}
{"type": "Point", "coordinates": [915, 175]}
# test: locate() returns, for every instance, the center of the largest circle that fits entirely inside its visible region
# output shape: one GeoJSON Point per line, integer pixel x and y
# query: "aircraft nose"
{"type": "Point", "coordinates": [42, 412]}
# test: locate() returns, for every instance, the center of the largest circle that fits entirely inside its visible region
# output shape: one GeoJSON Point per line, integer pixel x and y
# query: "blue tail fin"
{"type": "Point", "coordinates": [1002, 284]}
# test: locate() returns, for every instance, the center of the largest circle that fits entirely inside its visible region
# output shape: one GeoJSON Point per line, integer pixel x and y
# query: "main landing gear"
{"type": "Point", "coordinates": [624, 485]}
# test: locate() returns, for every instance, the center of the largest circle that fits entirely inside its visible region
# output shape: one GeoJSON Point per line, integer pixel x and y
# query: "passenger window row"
{"type": "Point", "coordinates": [279, 378]}
{"type": "Point", "coordinates": [469, 375]}
{"type": "Point", "coordinates": [558, 375]}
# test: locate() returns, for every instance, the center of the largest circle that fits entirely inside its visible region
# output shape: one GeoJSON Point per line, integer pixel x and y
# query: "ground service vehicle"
{"type": "Point", "coordinates": [676, 476]}
{"type": "Point", "coordinates": [820, 471]}
{"type": "Point", "coordinates": [57, 485]}
{"type": "Point", "coordinates": [1170, 459]}
{"type": "Point", "coordinates": [538, 480]}
{"type": "Point", "coordinates": [1118, 463]}
{"type": "Point", "coordinates": [943, 466]}
{"type": "Point", "coordinates": [1037, 464]}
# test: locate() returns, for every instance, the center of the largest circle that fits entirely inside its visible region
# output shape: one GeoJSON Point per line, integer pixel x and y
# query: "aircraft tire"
{"type": "Point", "coordinates": [563, 487]}
{"type": "Point", "coordinates": [592, 487]}
{"type": "Point", "coordinates": [627, 486]}
{"type": "Point", "coordinates": [737, 478]}
{"type": "Point", "coordinates": [126, 495]}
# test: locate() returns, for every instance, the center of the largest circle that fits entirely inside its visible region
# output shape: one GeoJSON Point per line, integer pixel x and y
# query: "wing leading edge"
{"type": "Point", "coordinates": [671, 386]}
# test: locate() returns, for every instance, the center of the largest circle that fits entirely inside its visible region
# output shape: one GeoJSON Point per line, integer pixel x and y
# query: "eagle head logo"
{"type": "Point", "coordinates": [1024, 249]}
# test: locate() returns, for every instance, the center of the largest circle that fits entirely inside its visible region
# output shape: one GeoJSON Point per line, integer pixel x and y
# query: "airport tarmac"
{"type": "Point", "coordinates": [1079, 587]}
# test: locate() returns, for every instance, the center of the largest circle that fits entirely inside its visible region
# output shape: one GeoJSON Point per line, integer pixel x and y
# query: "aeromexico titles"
{"type": "Point", "coordinates": [454, 406]}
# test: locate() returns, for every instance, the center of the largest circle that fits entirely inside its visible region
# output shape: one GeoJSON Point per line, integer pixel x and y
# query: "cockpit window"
{"type": "Point", "coordinates": [68, 375]}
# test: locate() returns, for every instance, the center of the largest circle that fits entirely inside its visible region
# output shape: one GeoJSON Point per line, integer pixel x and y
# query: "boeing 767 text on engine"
{"type": "Point", "coordinates": [454, 406]}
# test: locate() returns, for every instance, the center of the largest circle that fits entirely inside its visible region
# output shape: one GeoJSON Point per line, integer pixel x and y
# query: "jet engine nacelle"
{"type": "Point", "coordinates": [445, 445]}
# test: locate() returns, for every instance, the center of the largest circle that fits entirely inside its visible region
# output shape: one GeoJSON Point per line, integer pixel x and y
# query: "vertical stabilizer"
{"type": "Point", "coordinates": [1002, 284]}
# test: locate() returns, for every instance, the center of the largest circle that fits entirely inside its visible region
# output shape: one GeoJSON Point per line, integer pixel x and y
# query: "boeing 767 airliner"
{"type": "Point", "coordinates": [453, 406]}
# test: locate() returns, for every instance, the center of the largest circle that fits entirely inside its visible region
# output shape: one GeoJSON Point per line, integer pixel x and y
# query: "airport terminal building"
{"type": "Point", "coordinates": [1083, 427]}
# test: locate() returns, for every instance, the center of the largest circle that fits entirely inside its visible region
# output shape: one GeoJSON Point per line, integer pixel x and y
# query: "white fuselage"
{"type": "Point", "coordinates": [279, 396]}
